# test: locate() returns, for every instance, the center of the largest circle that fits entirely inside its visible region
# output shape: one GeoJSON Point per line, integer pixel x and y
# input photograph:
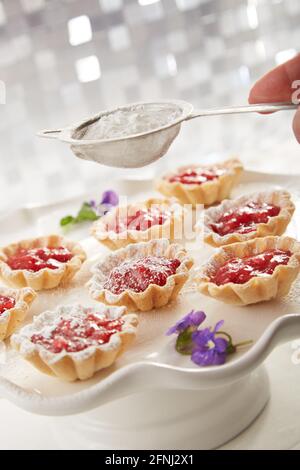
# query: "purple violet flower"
{"type": "Point", "coordinates": [214, 355]}
{"type": "Point", "coordinates": [191, 320]}
{"type": "Point", "coordinates": [208, 349]}
{"type": "Point", "coordinates": [204, 346]}
{"type": "Point", "coordinates": [110, 198]}
{"type": "Point", "coordinates": [90, 211]}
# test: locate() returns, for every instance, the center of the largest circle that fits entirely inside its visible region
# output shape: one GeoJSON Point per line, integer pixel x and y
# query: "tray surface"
{"type": "Point", "coordinates": [151, 345]}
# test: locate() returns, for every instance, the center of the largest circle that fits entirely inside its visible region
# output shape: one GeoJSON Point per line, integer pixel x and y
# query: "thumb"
{"type": "Point", "coordinates": [296, 125]}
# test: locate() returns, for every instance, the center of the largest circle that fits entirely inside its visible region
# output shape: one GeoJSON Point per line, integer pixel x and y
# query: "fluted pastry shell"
{"type": "Point", "coordinates": [11, 318]}
{"type": "Point", "coordinates": [81, 365]}
{"type": "Point", "coordinates": [154, 296]}
{"type": "Point", "coordinates": [114, 240]}
{"type": "Point", "coordinates": [257, 289]}
{"type": "Point", "coordinates": [275, 226]}
{"type": "Point", "coordinates": [45, 278]}
{"type": "Point", "coordinates": [206, 193]}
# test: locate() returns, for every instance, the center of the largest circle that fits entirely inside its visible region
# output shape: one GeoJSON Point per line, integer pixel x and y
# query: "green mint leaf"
{"type": "Point", "coordinates": [86, 213]}
{"type": "Point", "coordinates": [69, 219]}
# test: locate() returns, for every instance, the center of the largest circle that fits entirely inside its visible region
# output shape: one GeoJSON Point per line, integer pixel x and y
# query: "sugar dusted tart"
{"type": "Point", "coordinates": [14, 306]}
{"type": "Point", "coordinates": [40, 263]}
{"type": "Point", "coordinates": [151, 219]}
{"type": "Point", "coordinates": [247, 217]}
{"type": "Point", "coordinates": [141, 276]}
{"type": "Point", "coordinates": [201, 184]}
{"type": "Point", "coordinates": [74, 342]}
{"type": "Point", "coordinates": [251, 271]}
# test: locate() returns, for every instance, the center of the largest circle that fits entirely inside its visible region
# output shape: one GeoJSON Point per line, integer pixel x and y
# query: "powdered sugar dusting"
{"type": "Point", "coordinates": [134, 120]}
{"type": "Point", "coordinates": [76, 315]}
{"type": "Point", "coordinates": [158, 248]}
{"type": "Point", "coordinates": [137, 275]}
{"type": "Point", "coordinates": [213, 214]}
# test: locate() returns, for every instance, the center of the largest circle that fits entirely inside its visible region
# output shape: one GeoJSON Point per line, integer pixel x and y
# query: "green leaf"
{"type": "Point", "coordinates": [86, 213]}
{"type": "Point", "coordinates": [69, 219]}
{"type": "Point", "coordinates": [184, 343]}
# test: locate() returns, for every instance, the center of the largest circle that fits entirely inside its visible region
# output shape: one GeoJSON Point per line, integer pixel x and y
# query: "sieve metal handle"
{"type": "Point", "coordinates": [252, 108]}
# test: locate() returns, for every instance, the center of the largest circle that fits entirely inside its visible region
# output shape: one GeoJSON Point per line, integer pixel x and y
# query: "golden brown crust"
{"type": "Point", "coordinates": [11, 319]}
{"type": "Point", "coordinates": [45, 278]}
{"type": "Point", "coordinates": [154, 296]}
{"type": "Point", "coordinates": [79, 365]}
{"type": "Point", "coordinates": [257, 289]}
{"type": "Point", "coordinates": [115, 241]}
{"type": "Point", "coordinates": [206, 193]}
{"type": "Point", "coordinates": [275, 226]}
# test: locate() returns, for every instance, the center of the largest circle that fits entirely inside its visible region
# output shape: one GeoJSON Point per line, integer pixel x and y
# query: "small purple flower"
{"type": "Point", "coordinates": [214, 355]}
{"type": "Point", "coordinates": [204, 346]}
{"type": "Point", "coordinates": [110, 198]}
{"type": "Point", "coordinates": [90, 211]}
{"type": "Point", "coordinates": [208, 349]}
{"type": "Point", "coordinates": [192, 319]}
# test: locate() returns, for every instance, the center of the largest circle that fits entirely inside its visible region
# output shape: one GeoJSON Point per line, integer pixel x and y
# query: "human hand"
{"type": "Point", "coordinates": [277, 86]}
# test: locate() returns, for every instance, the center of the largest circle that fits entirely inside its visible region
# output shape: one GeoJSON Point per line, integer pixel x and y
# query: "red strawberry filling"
{"type": "Point", "coordinates": [141, 220]}
{"type": "Point", "coordinates": [35, 259]}
{"type": "Point", "coordinates": [240, 270]}
{"type": "Point", "coordinates": [74, 335]}
{"type": "Point", "coordinates": [138, 275]}
{"type": "Point", "coordinates": [197, 175]}
{"type": "Point", "coordinates": [6, 303]}
{"type": "Point", "coordinates": [244, 219]}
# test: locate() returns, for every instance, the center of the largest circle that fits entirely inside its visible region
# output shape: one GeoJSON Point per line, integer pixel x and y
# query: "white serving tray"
{"type": "Point", "coordinates": [152, 363]}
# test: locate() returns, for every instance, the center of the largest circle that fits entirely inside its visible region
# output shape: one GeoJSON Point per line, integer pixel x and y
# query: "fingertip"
{"type": "Point", "coordinates": [276, 85]}
{"type": "Point", "coordinates": [255, 96]}
{"type": "Point", "coordinates": [251, 97]}
{"type": "Point", "coordinates": [257, 93]}
{"type": "Point", "coordinates": [296, 125]}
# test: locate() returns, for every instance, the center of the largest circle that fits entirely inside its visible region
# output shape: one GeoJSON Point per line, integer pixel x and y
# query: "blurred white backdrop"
{"type": "Point", "coordinates": [62, 60]}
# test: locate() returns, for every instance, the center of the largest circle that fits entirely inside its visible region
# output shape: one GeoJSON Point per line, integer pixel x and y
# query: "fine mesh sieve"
{"type": "Point", "coordinates": [139, 149]}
